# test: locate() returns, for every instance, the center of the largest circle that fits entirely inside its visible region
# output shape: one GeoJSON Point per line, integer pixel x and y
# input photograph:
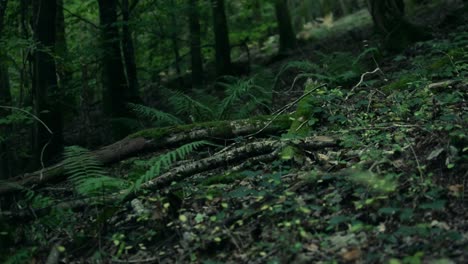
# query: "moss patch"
{"type": "Point", "coordinates": [216, 127]}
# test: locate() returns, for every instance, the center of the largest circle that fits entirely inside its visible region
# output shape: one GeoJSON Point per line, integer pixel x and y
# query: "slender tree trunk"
{"type": "Point", "coordinates": [195, 44]}
{"type": "Point", "coordinates": [129, 53]}
{"type": "Point", "coordinates": [26, 67]}
{"type": "Point", "coordinates": [47, 96]}
{"type": "Point", "coordinates": [175, 42]}
{"type": "Point", "coordinates": [345, 9]}
{"type": "Point", "coordinates": [257, 15]}
{"type": "Point", "coordinates": [286, 31]}
{"type": "Point", "coordinates": [115, 90]}
{"type": "Point", "coordinates": [5, 99]}
{"type": "Point", "coordinates": [222, 46]}
{"type": "Point", "coordinates": [61, 50]}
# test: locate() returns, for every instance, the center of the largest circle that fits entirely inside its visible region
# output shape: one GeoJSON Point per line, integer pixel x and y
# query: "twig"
{"type": "Point", "coordinates": [361, 81]}
{"type": "Point", "coordinates": [153, 259]}
{"type": "Point", "coordinates": [80, 18]}
{"type": "Point", "coordinates": [301, 125]}
{"type": "Point", "coordinates": [416, 159]}
{"type": "Point", "coordinates": [26, 112]}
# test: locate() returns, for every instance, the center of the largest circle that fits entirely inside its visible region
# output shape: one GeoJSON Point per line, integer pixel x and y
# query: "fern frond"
{"type": "Point", "coordinates": [86, 173]}
{"type": "Point", "coordinates": [303, 66]}
{"type": "Point", "coordinates": [185, 105]}
{"type": "Point", "coordinates": [164, 162]}
{"type": "Point", "coordinates": [154, 114]}
{"type": "Point", "coordinates": [242, 97]}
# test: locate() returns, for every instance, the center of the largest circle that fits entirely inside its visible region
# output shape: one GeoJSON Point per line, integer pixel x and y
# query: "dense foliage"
{"type": "Point", "coordinates": [210, 131]}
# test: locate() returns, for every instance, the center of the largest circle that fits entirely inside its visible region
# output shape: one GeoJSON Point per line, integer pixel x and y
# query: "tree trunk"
{"type": "Point", "coordinates": [63, 70]}
{"type": "Point", "coordinates": [257, 15]}
{"type": "Point", "coordinates": [195, 44]}
{"type": "Point", "coordinates": [175, 43]}
{"type": "Point", "coordinates": [389, 19]}
{"type": "Point", "coordinates": [387, 15]}
{"type": "Point", "coordinates": [5, 99]}
{"type": "Point", "coordinates": [129, 54]}
{"type": "Point", "coordinates": [222, 46]}
{"type": "Point", "coordinates": [47, 96]}
{"type": "Point", "coordinates": [25, 95]}
{"type": "Point", "coordinates": [287, 37]}
{"type": "Point", "coordinates": [344, 7]}
{"type": "Point", "coordinates": [115, 90]}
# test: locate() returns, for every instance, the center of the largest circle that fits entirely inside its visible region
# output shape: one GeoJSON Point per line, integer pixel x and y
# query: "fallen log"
{"type": "Point", "coordinates": [153, 139]}
{"type": "Point", "coordinates": [234, 156]}
{"type": "Point", "coordinates": [219, 160]}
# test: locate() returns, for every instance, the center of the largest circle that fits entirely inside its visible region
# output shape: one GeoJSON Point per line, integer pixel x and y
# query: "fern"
{"type": "Point", "coordinates": [87, 174]}
{"type": "Point", "coordinates": [242, 97]}
{"type": "Point", "coordinates": [307, 69]}
{"type": "Point", "coordinates": [163, 162]}
{"type": "Point", "coordinates": [185, 105]}
{"type": "Point", "coordinates": [155, 115]}
{"type": "Point", "coordinates": [300, 65]}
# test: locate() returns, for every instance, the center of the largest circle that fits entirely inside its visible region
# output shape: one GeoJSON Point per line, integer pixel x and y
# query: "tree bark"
{"type": "Point", "coordinates": [175, 43]}
{"type": "Point", "coordinates": [345, 9]}
{"type": "Point", "coordinates": [287, 37]}
{"type": "Point", "coordinates": [5, 99]}
{"type": "Point", "coordinates": [195, 44]}
{"type": "Point", "coordinates": [389, 19]}
{"type": "Point", "coordinates": [115, 89]}
{"type": "Point", "coordinates": [129, 54]}
{"type": "Point", "coordinates": [222, 46]}
{"type": "Point", "coordinates": [61, 50]}
{"type": "Point", "coordinates": [47, 96]}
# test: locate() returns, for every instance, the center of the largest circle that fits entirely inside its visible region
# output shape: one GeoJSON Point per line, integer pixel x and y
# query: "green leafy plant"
{"type": "Point", "coordinates": [163, 162]}
{"type": "Point", "coordinates": [242, 97]}
{"type": "Point", "coordinates": [86, 173]}
{"type": "Point", "coordinates": [155, 115]}
{"type": "Point", "coordinates": [184, 105]}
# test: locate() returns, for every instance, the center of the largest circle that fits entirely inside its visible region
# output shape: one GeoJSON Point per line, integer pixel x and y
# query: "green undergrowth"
{"type": "Point", "coordinates": [392, 192]}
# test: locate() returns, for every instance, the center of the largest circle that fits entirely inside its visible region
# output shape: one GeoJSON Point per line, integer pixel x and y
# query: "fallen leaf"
{"type": "Point", "coordinates": [351, 255]}
{"type": "Point", "coordinates": [456, 189]}
{"type": "Point", "coordinates": [435, 153]}
{"type": "Point", "coordinates": [311, 247]}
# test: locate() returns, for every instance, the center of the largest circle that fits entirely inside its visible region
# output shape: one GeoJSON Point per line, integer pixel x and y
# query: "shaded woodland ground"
{"type": "Point", "coordinates": [352, 154]}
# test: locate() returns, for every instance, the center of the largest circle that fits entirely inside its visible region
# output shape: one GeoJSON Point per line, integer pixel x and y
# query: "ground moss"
{"type": "Point", "coordinates": [299, 128]}
{"type": "Point", "coordinates": [401, 83]}
{"type": "Point", "coordinates": [226, 178]}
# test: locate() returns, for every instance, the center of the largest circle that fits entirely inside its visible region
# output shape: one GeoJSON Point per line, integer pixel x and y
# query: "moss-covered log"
{"type": "Point", "coordinates": [157, 138]}
{"type": "Point", "coordinates": [222, 159]}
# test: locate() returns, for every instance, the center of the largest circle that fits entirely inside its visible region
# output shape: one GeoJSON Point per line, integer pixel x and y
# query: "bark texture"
{"type": "Point", "coordinates": [222, 46]}
{"type": "Point", "coordinates": [48, 98]}
{"type": "Point", "coordinates": [195, 44]}
{"type": "Point", "coordinates": [287, 37]}
{"type": "Point", "coordinates": [5, 99]}
{"type": "Point", "coordinates": [390, 20]}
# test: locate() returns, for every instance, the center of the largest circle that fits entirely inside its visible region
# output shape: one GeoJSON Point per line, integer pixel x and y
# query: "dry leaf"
{"type": "Point", "coordinates": [351, 255]}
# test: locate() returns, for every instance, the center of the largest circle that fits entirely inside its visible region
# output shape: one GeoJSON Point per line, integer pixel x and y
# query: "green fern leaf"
{"type": "Point", "coordinates": [86, 173]}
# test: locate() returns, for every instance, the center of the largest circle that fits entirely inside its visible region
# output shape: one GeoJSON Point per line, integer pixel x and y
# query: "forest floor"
{"type": "Point", "coordinates": [391, 190]}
